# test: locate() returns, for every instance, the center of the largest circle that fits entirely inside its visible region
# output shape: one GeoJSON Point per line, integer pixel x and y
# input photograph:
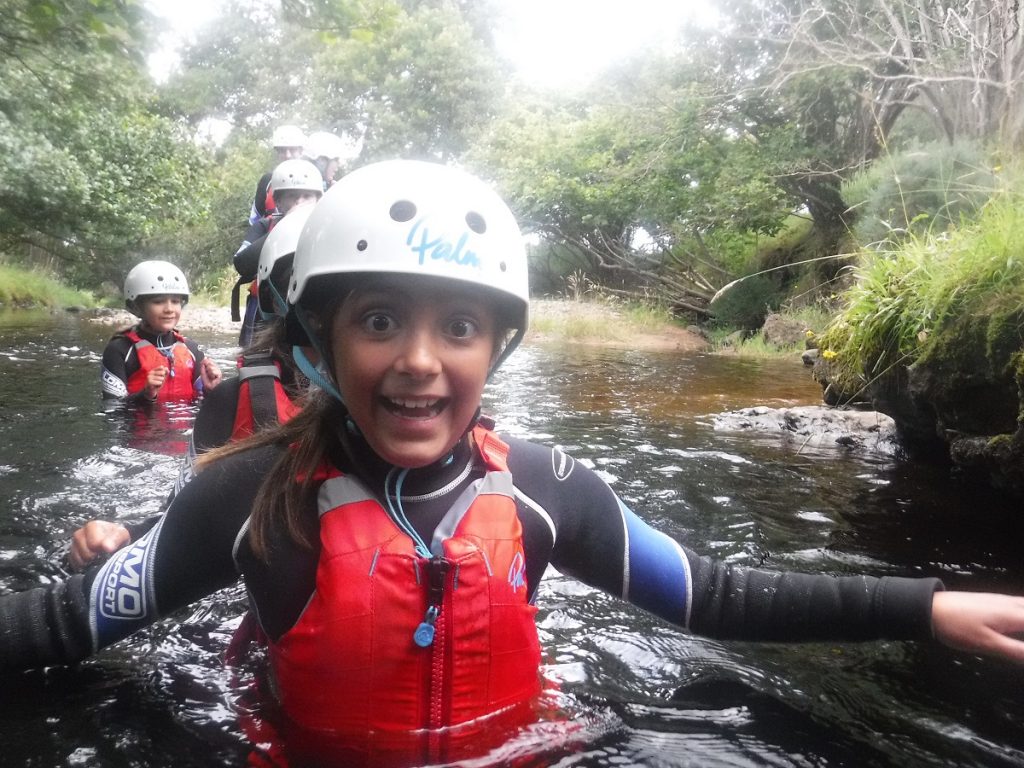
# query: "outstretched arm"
{"type": "Point", "coordinates": [980, 622]}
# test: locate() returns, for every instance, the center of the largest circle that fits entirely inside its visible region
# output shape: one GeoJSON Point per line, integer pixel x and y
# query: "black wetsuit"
{"type": "Point", "coordinates": [259, 200]}
{"type": "Point", "coordinates": [570, 517]}
{"type": "Point", "coordinates": [246, 262]}
{"type": "Point", "coordinates": [120, 361]}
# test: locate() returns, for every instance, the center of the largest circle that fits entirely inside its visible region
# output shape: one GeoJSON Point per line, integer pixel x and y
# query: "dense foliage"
{"type": "Point", "coordinates": [669, 177]}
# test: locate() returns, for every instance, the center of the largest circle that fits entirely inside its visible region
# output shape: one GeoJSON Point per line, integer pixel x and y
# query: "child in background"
{"type": "Point", "coordinates": [263, 394]}
{"type": "Point", "coordinates": [392, 543]}
{"type": "Point", "coordinates": [151, 361]}
{"type": "Point", "coordinates": [294, 182]}
{"type": "Point", "coordinates": [287, 142]}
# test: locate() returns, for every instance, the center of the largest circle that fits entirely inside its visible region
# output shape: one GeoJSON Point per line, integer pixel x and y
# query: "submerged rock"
{"type": "Point", "coordinates": [816, 427]}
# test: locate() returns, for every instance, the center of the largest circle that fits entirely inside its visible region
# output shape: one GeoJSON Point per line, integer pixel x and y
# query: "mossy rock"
{"type": "Point", "coordinates": [968, 373]}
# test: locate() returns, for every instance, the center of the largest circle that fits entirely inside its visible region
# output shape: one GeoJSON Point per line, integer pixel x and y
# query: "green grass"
{"type": "Point", "coordinates": [813, 318]}
{"type": "Point", "coordinates": [28, 288]}
{"type": "Point", "coordinates": [597, 319]}
{"type": "Point", "coordinates": [903, 296]}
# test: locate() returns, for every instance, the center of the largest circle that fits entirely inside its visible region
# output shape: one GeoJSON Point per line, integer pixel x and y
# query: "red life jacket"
{"type": "Point", "coordinates": [179, 384]}
{"type": "Point", "coordinates": [262, 399]}
{"type": "Point", "coordinates": [351, 666]}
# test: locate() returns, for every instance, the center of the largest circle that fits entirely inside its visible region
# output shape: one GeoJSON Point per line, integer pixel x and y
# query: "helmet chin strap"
{"type": "Point", "coordinates": [315, 374]}
{"type": "Point", "coordinates": [321, 378]}
{"type": "Point", "coordinates": [509, 348]}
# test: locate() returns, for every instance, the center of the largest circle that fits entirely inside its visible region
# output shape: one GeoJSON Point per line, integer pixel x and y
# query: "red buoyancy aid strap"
{"type": "Point", "coordinates": [491, 447]}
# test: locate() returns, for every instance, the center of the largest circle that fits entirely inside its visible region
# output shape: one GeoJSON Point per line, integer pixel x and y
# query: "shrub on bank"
{"type": "Point", "coordinates": [904, 297]}
{"type": "Point", "coordinates": [27, 288]}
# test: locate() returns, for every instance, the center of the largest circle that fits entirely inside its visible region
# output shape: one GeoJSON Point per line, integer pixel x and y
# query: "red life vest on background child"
{"type": "Point", "coordinates": [262, 399]}
{"type": "Point", "coordinates": [178, 359]}
{"type": "Point", "coordinates": [351, 665]}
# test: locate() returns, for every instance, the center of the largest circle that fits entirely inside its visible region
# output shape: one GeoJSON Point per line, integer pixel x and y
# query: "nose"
{"type": "Point", "coordinates": [419, 356]}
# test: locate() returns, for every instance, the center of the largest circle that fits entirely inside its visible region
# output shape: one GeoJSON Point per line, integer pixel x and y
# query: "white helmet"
{"type": "Point", "coordinates": [288, 136]}
{"type": "Point", "coordinates": [322, 144]}
{"type": "Point", "coordinates": [154, 278]}
{"type": "Point", "coordinates": [416, 218]}
{"type": "Point", "coordinates": [280, 244]}
{"type": "Point", "coordinates": [296, 174]}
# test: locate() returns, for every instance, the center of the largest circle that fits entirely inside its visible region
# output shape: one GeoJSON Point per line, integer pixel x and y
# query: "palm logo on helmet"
{"type": "Point", "coordinates": [415, 218]}
{"type": "Point", "coordinates": [153, 278]}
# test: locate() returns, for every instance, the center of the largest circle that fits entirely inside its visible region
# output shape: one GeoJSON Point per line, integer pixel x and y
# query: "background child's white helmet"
{"type": "Point", "coordinates": [322, 144]}
{"type": "Point", "coordinates": [280, 243]}
{"type": "Point", "coordinates": [287, 136]}
{"type": "Point", "coordinates": [415, 218]}
{"type": "Point", "coordinates": [154, 278]}
{"type": "Point", "coordinates": [296, 175]}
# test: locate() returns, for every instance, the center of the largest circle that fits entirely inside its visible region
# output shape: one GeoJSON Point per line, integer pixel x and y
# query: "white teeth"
{"type": "Point", "coordinates": [415, 403]}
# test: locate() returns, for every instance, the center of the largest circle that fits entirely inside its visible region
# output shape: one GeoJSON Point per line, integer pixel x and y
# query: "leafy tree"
{"type": "Point", "coordinates": [421, 86]}
{"type": "Point", "coordinates": [89, 173]}
{"type": "Point", "coordinates": [648, 191]}
{"type": "Point", "coordinates": [248, 67]}
{"type": "Point", "coordinates": [845, 72]}
{"type": "Point", "coordinates": [414, 79]}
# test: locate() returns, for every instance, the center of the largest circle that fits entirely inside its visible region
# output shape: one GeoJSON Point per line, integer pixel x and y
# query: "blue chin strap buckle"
{"type": "Point", "coordinates": [315, 374]}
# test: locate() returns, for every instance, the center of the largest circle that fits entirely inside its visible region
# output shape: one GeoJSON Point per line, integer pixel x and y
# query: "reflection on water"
{"type": "Point", "coordinates": [636, 691]}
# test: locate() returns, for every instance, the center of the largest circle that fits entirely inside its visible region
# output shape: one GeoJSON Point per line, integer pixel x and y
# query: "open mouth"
{"type": "Point", "coordinates": [414, 408]}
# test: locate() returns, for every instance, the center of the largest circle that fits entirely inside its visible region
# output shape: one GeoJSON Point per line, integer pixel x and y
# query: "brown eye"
{"type": "Point", "coordinates": [377, 322]}
{"type": "Point", "coordinates": [462, 328]}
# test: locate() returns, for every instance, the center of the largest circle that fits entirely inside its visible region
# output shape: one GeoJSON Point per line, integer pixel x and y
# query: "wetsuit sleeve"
{"type": "Point", "coordinates": [215, 419]}
{"type": "Point", "coordinates": [137, 530]}
{"type": "Point", "coordinates": [187, 555]}
{"type": "Point", "coordinates": [197, 355]}
{"type": "Point", "coordinates": [119, 363]}
{"type": "Point", "coordinates": [212, 428]}
{"type": "Point", "coordinates": [259, 200]}
{"type": "Point", "coordinates": [114, 374]}
{"type": "Point", "coordinates": [603, 543]}
{"type": "Point", "coordinates": [247, 259]}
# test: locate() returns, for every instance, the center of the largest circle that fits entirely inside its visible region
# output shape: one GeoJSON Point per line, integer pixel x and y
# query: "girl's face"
{"type": "Point", "coordinates": [160, 314]}
{"type": "Point", "coordinates": [290, 198]}
{"type": "Point", "coordinates": [411, 362]}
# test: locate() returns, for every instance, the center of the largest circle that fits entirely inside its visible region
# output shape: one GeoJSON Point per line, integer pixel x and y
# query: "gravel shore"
{"type": "Point", "coordinates": [668, 337]}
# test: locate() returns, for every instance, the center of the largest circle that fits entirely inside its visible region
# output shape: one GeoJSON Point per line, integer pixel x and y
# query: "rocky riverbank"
{"type": "Point", "coordinates": [553, 321]}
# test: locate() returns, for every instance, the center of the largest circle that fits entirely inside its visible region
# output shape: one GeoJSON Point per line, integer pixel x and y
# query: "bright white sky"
{"type": "Point", "coordinates": [551, 42]}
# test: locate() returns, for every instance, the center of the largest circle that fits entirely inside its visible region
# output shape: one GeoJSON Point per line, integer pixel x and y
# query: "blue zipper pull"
{"type": "Point", "coordinates": [424, 634]}
{"type": "Point", "coordinates": [438, 569]}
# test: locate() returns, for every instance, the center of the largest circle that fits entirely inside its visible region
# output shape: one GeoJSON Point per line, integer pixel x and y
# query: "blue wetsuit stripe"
{"type": "Point", "coordinates": [658, 576]}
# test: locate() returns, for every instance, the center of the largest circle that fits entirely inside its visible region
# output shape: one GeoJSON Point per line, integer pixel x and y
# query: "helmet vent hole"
{"type": "Point", "coordinates": [503, 266]}
{"type": "Point", "coordinates": [476, 222]}
{"type": "Point", "coordinates": [361, 245]}
{"type": "Point", "coordinates": [401, 211]}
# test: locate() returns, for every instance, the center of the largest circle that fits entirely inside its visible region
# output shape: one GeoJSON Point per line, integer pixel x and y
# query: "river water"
{"type": "Point", "coordinates": [639, 693]}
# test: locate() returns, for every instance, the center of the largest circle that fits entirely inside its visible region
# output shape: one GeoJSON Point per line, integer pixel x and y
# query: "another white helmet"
{"type": "Point", "coordinates": [322, 144]}
{"type": "Point", "coordinates": [296, 174]}
{"type": "Point", "coordinates": [288, 136]}
{"type": "Point", "coordinates": [280, 244]}
{"type": "Point", "coordinates": [154, 278]}
{"type": "Point", "coordinates": [416, 218]}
